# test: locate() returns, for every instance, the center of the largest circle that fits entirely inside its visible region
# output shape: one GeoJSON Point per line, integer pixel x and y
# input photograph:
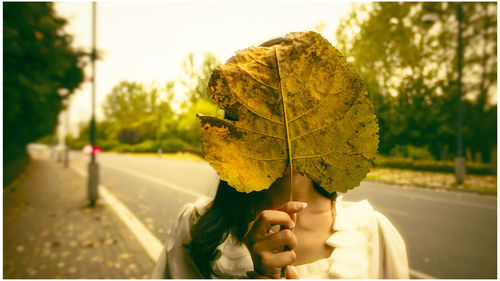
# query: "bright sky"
{"type": "Point", "coordinates": [147, 42]}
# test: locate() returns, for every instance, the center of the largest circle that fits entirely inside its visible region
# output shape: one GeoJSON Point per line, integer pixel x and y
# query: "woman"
{"type": "Point", "coordinates": [246, 233]}
{"type": "Point", "coordinates": [326, 237]}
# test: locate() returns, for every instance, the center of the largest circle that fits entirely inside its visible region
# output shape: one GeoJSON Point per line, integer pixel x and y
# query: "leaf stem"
{"type": "Point", "coordinates": [283, 98]}
{"type": "Point", "coordinates": [285, 117]}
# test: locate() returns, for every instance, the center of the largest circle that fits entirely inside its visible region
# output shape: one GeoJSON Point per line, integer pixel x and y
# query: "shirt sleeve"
{"type": "Point", "coordinates": [393, 256]}
{"type": "Point", "coordinates": [174, 261]}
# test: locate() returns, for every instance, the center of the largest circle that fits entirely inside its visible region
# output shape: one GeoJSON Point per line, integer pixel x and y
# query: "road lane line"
{"type": "Point", "coordinates": [392, 211]}
{"type": "Point", "coordinates": [420, 275]}
{"type": "Point", "coordinates": [148, 241]}
{"type": "Point", "coordinates": [468, 204]}
{"type": "Point", "coordinates": [158, 181]}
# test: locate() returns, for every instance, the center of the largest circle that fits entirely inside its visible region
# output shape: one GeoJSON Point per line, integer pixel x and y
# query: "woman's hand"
{"type": "Point", "coordinates": [267, 236]}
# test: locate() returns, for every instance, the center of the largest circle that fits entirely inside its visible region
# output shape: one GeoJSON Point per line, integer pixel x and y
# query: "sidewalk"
{"type": "Point", "coordinates": [482, 184]}
{"type": "Point", "coordinates": [50, 232]}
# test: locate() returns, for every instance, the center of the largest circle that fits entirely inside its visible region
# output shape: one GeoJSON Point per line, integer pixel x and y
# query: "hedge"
{"type": "Point", "coordinates": [167, 145]}
{"type": "Point", "coordinates": [433, 165]}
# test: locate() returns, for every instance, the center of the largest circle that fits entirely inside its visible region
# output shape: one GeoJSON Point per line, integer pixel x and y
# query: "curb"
{"type": "Point", "coordinates": [429, 186]}
{"type": "Point", "coordinates": [149, 242]}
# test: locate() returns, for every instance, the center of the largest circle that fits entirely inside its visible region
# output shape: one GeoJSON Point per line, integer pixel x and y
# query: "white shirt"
{"type": "Point", "coordinates": [366, 246]}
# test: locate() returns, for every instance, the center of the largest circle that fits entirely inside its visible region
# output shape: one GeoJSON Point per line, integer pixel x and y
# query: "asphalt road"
{"type": "Point", "coordinates": [448, 234]}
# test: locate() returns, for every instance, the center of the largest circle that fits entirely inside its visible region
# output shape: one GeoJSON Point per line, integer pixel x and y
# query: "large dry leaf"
{"type": "Point", "coordinates": [297, 102]}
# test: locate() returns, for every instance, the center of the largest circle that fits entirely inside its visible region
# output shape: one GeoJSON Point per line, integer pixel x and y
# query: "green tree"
{"type": "Point", "coordinates": [127, 103]}
{"type": "Point", "coordinates": [196, 80]}
{"type": "Point", "coordinates": [106, 130]}
{"type": "Point", "coordinates": [129, 106]}
{"type": "Point", "coordinates": [166, 117]}
{"type": "Point", "coordinates": [133, 108]}
{"type": "Point", "coordinates": [139, 114]}
{"type": "Point", "coordinates": [40, 69]}
{"type": "Point", "coordinates": [188, 125]}
{"type": "Point", "coordinates": [406, 53]}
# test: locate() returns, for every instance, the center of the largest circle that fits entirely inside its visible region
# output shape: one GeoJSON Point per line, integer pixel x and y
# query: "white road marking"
{"type": "Point", "coordinates": [393, 211]}
{"type": "Point", "coordinates": [158, 181]}
{"type": "Point", "coordinates": [455, 201]}
{"type": "Point", "coordinates": [420, 275]}
{"type": "Point", "coordinates": [148, 241]}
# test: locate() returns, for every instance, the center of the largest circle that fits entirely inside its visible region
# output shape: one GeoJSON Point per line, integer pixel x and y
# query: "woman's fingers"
{"type": "Point", "coordinates": [260, 228]}
{"type": "Point", "coordinates": [293, 207]}
{"type": "Point", "coordinates": [267, 247]}
{"type": "Point", "coordinates": [278, 260]}
{"type": "Point", "coordinates": [277, 241]}
{"type": "Point", "coordinates": [268, 255]}
{"type": "Point", "coordinates": [268, 218]}
{"type": "Point", "coordinates": [284, 216]}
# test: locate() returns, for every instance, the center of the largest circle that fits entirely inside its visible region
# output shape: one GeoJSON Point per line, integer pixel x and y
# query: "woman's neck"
{"type": "Point", "coordinates": [313, 224]}
{"type": "Point", "coordinates": [302, 190]}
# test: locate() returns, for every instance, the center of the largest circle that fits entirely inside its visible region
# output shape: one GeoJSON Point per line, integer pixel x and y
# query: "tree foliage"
{"type": "Point", "coordinates": [196, 80]}
{"type": "Point", "coordinates": [40, 69]}
{"type": "Point", "coordinates": [135, 113]}
{"type": "Point", "coordinates": [406, 53]}
{"type": "Point", "coordinates": [127, 103]}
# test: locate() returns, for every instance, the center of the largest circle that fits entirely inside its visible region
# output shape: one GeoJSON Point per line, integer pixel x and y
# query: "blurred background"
{"type": "Point", "coordinates": [141, 70]}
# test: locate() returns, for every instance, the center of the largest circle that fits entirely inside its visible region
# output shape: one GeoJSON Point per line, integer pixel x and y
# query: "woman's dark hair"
{"type": "Point", "coordinates": [230, 212]}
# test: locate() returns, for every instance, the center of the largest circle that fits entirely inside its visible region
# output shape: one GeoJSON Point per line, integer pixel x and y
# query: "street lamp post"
{"type": "Point", "coordinates": [460, 160]}
{"type": "Point", "coordinates": [93, 179]}
{"type": "Point", "coordinates": [158, 131]}
{"type": "Point", "coordinates": [66, 133]}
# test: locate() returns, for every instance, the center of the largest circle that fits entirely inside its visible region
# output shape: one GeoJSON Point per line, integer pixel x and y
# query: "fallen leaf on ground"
{"type": "Point", "coordinates": [124, 256]}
